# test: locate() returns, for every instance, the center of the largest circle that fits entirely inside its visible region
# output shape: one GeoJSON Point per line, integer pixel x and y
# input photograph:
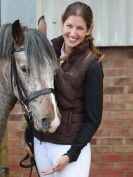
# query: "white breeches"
{"type": "Point", "coordinates": [46, 155]}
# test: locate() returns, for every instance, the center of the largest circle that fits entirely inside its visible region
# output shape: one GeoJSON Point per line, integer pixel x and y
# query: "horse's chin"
{"type": "Point", "coordinates": [50, 129]}
{"type": "Point", "coordinates": [45, 129]}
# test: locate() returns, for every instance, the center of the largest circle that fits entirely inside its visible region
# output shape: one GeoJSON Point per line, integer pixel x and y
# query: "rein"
{"type": "Point", "coordinates": [24, 101]}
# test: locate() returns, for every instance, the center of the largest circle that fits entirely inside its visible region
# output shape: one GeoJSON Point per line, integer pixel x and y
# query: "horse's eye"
{"type": "Point", "coordinates": [24, 69]}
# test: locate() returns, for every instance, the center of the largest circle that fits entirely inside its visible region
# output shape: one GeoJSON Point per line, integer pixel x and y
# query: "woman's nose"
{"type": "Point", "coordinates": [73, 32]}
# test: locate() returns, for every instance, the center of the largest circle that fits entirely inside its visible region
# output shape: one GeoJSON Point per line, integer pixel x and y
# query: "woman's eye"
{"type": "Point", "coordinates": [80, 28]}
{"type": "Point", "coordinates": [69, 26]}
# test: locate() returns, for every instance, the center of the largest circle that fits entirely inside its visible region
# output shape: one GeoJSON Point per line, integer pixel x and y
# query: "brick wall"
{"type": "Point", "coordinates": [112, 146]}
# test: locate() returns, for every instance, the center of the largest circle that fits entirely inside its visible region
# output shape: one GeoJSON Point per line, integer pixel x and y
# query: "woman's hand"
{"type": "Point", "coordinates": [60, 164]}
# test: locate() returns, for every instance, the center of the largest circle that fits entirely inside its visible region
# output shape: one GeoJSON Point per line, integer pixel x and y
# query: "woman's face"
{"type": "Point", "coordinates": [74, 31]}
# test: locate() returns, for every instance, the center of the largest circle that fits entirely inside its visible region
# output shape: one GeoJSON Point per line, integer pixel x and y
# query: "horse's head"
{"type": "Point", "coordinates": [33, 68]}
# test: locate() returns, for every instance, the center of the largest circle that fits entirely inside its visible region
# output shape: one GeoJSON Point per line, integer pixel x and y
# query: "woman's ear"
{"type": "Point", "coordinates": [89, 31]}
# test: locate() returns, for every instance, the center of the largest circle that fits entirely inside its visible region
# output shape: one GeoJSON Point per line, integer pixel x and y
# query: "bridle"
{"type": "Point", "coordinates": [22, 93]}
{"type": "Point", "coordinates": [24, 100]}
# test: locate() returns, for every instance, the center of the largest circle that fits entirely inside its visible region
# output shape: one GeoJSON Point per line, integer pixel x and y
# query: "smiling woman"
{"type": "Point", "coordinates": [79, 95]}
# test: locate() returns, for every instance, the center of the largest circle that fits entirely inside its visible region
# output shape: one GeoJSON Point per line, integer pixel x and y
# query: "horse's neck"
{"type": "Point", "coordinates": [7, 100]}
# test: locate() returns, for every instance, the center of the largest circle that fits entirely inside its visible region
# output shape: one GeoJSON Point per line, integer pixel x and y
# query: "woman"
{"type": "Point", "coordinates": [79, 94]}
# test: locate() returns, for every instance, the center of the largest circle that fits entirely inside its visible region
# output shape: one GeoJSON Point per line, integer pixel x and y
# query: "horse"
{"type": "Point", "coordinates": [28, 65]}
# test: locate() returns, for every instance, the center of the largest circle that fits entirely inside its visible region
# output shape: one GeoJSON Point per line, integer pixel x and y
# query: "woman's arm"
{"type": "Point", "coordinates": [93, 107]}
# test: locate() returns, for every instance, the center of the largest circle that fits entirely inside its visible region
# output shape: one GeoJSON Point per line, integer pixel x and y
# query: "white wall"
{"type": "Point", "coordinates": [113, 19]}
{"type": "Point", "coordinates": [25, 10]}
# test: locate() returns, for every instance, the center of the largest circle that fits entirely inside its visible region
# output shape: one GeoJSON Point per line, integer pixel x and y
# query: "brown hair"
{"type": "Point", "coordinates": [84, 11]}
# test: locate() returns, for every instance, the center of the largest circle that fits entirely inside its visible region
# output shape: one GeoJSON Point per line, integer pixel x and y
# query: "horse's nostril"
{"type": "Point", "coordinates": [46, 124]}
{"type": "Point", "coordinates": [45, 121]}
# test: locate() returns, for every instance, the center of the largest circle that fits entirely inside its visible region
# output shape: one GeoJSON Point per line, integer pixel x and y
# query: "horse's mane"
{"type": "Point", "coordinates": [38, 50]}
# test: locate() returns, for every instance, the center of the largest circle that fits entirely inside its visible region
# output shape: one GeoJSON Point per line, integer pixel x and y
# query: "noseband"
{"type": "Point", "coordinates": [23, 97]}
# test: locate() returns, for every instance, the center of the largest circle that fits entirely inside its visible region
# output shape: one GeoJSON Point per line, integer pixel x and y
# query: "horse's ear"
{"type": "Point", "coordinates": [17, 33]}
{"type": "Point", "coordinates": [42, 26]}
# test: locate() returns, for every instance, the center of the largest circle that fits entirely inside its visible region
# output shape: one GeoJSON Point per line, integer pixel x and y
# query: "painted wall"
{"type": "Point", "coordinates": [17, 9]}
{"type": "Point", "coordinates": [112, 20]}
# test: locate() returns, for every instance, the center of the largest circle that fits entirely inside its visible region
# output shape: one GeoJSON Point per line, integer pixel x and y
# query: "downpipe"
{"type": "Point", "coordinates": [4, 172]}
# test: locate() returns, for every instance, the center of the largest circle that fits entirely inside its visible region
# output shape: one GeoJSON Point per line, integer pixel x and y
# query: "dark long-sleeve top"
{"type": "Point", "coordinates": [93, 106]}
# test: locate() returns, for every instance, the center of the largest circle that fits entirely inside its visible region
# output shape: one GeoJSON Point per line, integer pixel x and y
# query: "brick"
{"type": "Point", "coordinates": [113, 158]}
{"type": "Point", "coordinates": [122, 98]}
{"type": "Point", "coordinates": [113, 124]}
{"type": "Point", "coordinates": [122, 133]}
{"type": "Point", "coordinates": [115, 72]}
{"type": "Point", "coordinates": [96, 157]}
{"type": "Point", "coordinates": [16, 150]}
{"type": "Point", "coordinates": [106, 63]}
{"type": "Point", "coordinates": [102, 165]}
{"type": "Point", "coordinates": [129, 141]}
{"type": "Point", "coordinates": [101, 149]}
{"type": "Point", "coordinates": [16, 141]}
{"type": "Point", "coordinates": [108, 82]}
{"type": "Point", "coordinates": [14, 174]}
{"type": "Point", "coordinates": [123, 165]}
{"type": "Point", "coordinates": [130, 157]}
{"type": "Point", "coordinates": [103, 133]}
{"type": "Point", "coordinates": [122, 149]}
{"type": "Point", "coordinates": [123, 63]}
{"type": "Point", "coordinates": [94, 141]}
{"type": "Point", "coordinates": [128, 89]}
{"type": "Point", "coordinates": [112, 173]}
{"type": "Point", "coordinates": [107, 97]}
{"type": "Point", "coordinates": [130, 173]}
{"type": "Point", "coordinates": [113, 90]}
{"type": "Point", "coordinates": [110, 141]}
{"type": "Point", "coordinates": [16, 134]}
{"type": "Point", "coordinates": [130, 123]}
{"type": "Point", "coordinates": [129, 72]}
{"type": "Point", "coordinates": [94, 173]}
{"type": "Point", "coordinates": [106, 115]}
{"type": "Point", "coordinates": [122, 115]}
{"type": "Point", "coordinates": [114, 106]}
{"type": "Point", "coordinates": [129, 106]}
{"type": "Point", "coordinates": [14, 158]}
{"type": "Point", "coordinates": [123, 81]}
{"type": "Point", "coordinates": [16, 116]}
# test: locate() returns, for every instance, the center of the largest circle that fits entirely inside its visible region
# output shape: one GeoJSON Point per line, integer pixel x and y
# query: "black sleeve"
{"type": "Point", "coordinates": [93, 108]}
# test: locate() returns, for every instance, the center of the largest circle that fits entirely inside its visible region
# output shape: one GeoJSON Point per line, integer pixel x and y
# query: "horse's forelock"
{"type": "Point", "coordinates": [38, 49]}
